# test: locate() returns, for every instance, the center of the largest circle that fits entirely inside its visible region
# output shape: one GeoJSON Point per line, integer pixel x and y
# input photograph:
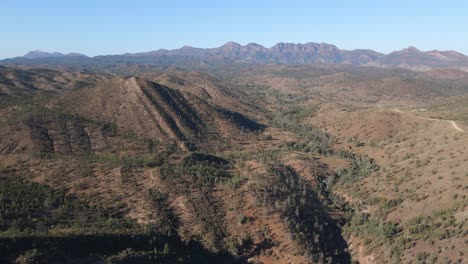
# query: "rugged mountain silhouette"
{"type": "Point", "coordinates": [37, 54]}
{"type": "Point", "coordinates": [283, 53]}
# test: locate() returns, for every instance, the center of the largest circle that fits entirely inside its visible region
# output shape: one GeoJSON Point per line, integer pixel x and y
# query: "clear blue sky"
{"type": "Point", "coordinates": [97, 27]}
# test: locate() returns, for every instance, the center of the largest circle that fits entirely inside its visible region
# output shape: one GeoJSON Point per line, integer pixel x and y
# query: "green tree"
{"type": "Point", "coordinates": [166, 249]}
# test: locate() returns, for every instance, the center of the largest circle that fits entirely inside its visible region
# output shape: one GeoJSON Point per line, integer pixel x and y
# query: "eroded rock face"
{"type": "Point", "coordinates": [14, 139]}
{"type": "Point", "coordinates": [156, 112]}
{"type": "Point", "coordinates": [43, 135]}
{"type": "Point", "coordinates": [65, 138]}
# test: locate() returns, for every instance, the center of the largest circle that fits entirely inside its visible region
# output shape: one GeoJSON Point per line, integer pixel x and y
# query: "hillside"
{"type": "Point", "coordinates": [153, 111]}
{"type": "Point", "coordinates": [361, 84]}
{"type": "Point", "coordinates": [21, 81]}
{"type": "Point", "coordinates": [422, 165]}
{"type": "Point", "coordinates": [237, 164]}
{"type": "Point", "coordinates": [109, 148]}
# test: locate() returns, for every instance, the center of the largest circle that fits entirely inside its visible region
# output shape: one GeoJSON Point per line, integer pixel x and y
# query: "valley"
{"type": "Point", "coordinates": [251, 163]}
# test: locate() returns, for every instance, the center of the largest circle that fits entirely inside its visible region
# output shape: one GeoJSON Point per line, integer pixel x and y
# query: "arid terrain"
{"type": "Point", "coordinates": [238, 154]}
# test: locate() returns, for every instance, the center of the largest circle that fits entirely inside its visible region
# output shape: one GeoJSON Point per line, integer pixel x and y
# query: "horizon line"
{"type": "Point", "coordinates": [227, 43]}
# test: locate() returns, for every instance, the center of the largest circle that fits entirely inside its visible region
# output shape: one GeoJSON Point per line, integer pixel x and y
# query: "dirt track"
{"type": "Point", "coordinates": [456, 126]}
{"type": "Point", "coordinates": [453, 123]}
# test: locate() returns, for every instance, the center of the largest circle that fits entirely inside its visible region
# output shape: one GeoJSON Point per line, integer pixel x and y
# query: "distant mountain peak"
{"type": "Point", "coordinates": [410, 49]}
{"type": "Point", "coordinates": [75, 54]}
{"type": "Point", "coordinates": [232, 44]}
{"type": "Point", "coordinates": [39, 54]}
{"type": "Point", "coordinates": [252, 44]}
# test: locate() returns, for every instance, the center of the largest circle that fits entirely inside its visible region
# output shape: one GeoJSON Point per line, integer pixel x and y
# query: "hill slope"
{"type": "Point", "coordinates": [155, 111]}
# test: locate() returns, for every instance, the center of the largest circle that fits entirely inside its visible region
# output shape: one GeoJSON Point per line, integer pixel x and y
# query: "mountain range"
{"type": "Point", "coordinates": [282, 53]}
{"type": "Point", "coordinates": [37, 54]}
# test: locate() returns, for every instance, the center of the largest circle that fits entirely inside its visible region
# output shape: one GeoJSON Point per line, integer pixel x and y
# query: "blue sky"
{"type": "Point", "coordinates": [97, 27]}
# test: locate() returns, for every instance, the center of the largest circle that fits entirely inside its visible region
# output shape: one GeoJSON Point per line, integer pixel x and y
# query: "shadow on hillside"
{"type": "Point", "coordinates": [116, 248]}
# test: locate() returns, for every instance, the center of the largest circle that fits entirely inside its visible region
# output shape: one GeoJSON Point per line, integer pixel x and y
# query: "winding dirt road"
{"type": "Point", "coordinates": [453, 123]}
{"type": "Point", "coordinates": [456, 126]}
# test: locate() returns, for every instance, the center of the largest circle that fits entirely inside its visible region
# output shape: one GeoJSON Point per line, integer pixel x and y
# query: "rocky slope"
{"type": "Point", "coordinates": [154, 111]}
